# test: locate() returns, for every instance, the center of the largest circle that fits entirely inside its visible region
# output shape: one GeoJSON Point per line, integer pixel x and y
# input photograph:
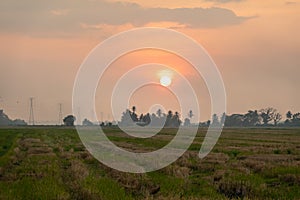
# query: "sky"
{"type": "Point", "coordinates": [255, 44]}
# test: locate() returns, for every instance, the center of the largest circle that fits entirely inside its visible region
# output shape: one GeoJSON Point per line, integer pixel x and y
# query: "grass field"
{"type": "Point", "coordinates": [52, 163]}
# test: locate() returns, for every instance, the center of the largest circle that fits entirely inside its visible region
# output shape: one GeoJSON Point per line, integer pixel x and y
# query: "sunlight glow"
{"type": "Point", "coordinates": [165, 81]}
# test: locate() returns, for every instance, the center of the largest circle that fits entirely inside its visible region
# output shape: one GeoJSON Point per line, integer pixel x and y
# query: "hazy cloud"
{"type": "Point", "coordinates": [70, 15]}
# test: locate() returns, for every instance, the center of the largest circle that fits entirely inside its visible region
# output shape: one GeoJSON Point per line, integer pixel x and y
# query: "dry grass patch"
{"type": "Point", "coordinates": [138, 184]}
{"type": "Point", "coordinates": [79, 170]}
{"type": "Point", "coordinates": [216, 158]}
{"type": "Point", "coordinates": [290, 179]}
{"type": "Point", "coordinates": [272, 158]}
{"type": "Point", "coordinates": [133, 147]}
{"type": "Point", "coordinates": [177, 171]}
{"type": "Point", "coordinates": [234, 189]}
{"type": "Point", "coordinates": [254, 165]}
{"type": "Point", "coordinates": [39, 150]}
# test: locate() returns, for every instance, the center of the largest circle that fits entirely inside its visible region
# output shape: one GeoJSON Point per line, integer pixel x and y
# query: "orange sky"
{"type": "Point", "coordinates": [43, 45]}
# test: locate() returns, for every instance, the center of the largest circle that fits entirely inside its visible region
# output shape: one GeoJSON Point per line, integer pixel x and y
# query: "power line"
{"type": "Point", "coordinates": [31, 114]}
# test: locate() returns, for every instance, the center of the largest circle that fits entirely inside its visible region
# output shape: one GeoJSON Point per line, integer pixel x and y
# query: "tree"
{"type": "Point", "coordinates": [289, 115]}
{"type": "Point", "coordinates": [223, 118]}
{"type": "Point", "coordinates": [296, 119]}
{"type": "Point", "coordinates": [134, 116]}
{"type": "Point", "coordinates": [141, 117]}
{"type": "Point", "coordinates": [147, 119]}
{"type": "Point", "coordinates": [19, 122]}
{"type": "Point", "coordinates": [172, 120]}
{"type": "Point", "coordinates": [296, 116]}
{"type": "Point", "coordinates": [169, 119]}
{"type": "Point", "coordinates": [187, 122]}
{"type": "Point", "coordinates": [208, 123]}
{"type": "Point", "coordinates": [6, 121]}
{"type": "Point", "coordinates": [133, 109]}
{"type": "Point", "coordinates": [277, 117]}
{"type": "Point", "coordinates": [215, 119]}
{"type": "Point", "coordinates": [267, 114]}
{"type": "Point", "coordinates": [87, 122]}
{"type": "Point", "coordinates": [251, 118]}
{"type": "Point", "coordinates": [144, 120]}
{"type": "Point", "coordinates": [190, 114]}
{"type": "Point", "coordinates": [234, 120]}
{"type": "Point", "coordinates": [157, 121]}
{"type": "Point", "coordinates": [176, 120]}
{"type": "Point", "coordinates": [159, 113]}
{"type": "Point", "coordinates": [69, 120]}
{"type": "Point", "coordinates": [270, 114]}
{"type": "Point", "coordinates": [126, 119]}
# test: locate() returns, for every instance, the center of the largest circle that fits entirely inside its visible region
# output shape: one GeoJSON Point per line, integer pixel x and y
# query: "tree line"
{"type": "Point", "coordinates": [130, 117]}
{"type": "Point", "coordinates": [253, 118]}
{"type": "Point", "coordinates": [264, 117]}
{"type": "Point", "coordinates": [6, 121]}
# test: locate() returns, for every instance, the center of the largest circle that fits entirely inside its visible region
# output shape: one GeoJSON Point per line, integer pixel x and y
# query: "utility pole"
{"type": "Point", "coordinates": [31, 114]}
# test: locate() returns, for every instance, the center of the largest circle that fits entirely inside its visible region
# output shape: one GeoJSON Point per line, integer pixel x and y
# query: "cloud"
{"type": "Point", "coordinates": [70, 15]}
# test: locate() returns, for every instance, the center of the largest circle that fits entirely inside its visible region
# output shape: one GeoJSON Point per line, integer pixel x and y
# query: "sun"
{"type": "Point", "coordinates": [165, 81]}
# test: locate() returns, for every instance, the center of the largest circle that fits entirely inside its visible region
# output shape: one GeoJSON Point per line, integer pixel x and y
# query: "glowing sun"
{"type": "Point", "coordinates": [165, 81]}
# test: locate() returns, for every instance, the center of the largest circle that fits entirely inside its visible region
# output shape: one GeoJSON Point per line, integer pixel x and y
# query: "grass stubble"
{"type": "Point", "coordinates": [52, 163]}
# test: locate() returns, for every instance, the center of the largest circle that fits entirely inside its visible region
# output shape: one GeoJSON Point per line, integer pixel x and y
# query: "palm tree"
{"type": "Point", "coordinates": [133, 109]}
{"type": "Point", "coordinates": [158, 112]}
{"type": "Point", "coordinates": [134, 115]}
{"type": "Point", "coordinates": [190, 114]}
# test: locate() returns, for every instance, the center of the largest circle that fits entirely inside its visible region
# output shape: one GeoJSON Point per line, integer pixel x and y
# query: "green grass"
{"type": "Point", "coordinates": [52, 163]}
{"type": "Point", "coordinates": [7, 139]}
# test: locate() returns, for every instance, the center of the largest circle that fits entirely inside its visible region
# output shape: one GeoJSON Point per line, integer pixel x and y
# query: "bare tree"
{"type": "Point", "coordinates": [270, 114]}
{"type": "Point", "coordinates": [277, 118]}
{"type": "Point", "coordinates": [296, 118]}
